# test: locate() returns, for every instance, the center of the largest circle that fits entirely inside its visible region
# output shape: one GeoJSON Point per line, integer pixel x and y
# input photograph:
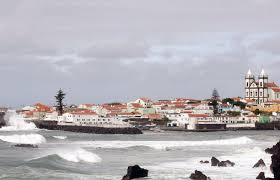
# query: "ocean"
{"type": "Point", "coordinates": [167, 155]}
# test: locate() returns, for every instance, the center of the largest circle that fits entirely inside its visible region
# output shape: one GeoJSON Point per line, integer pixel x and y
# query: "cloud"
{"type": "Point", "coordinates": [64, 63]}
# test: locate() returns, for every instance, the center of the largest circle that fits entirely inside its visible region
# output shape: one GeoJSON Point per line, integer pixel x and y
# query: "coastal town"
{"type": "Point", "coordinates": [260, 106]}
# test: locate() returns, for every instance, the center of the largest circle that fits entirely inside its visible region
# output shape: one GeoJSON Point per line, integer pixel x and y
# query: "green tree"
{"type": "Point", "coordinates": [257, 112]}
{"type": "Point", "coordinates": [228, 100]}
{"type": "Point", "coordinates": [59, 100]}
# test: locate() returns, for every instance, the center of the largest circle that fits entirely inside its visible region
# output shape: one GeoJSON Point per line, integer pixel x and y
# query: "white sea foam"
{"type": "Point", "coordinates": [79, 155]}
{"type": "Point", "coordinates": [162, 145]}
{"type": "Point", "coordinates": [60, 137]}
{"type": "Point", "coordinates": [16, 122]}
{"type": "Point", "coordinates": [24, 139]}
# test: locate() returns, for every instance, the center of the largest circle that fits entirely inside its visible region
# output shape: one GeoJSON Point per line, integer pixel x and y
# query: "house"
{"type": "Point", "coordinates": [145, 102]}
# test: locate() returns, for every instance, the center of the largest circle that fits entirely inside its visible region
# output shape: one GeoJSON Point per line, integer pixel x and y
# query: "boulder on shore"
{"type": "Point", "coordinates": [197, 175]}
{"type": "Point", "coordinates": [26, 145]}
{"type": "Point", "coordinates": [214, 161]}
{"type": "Point", "coordinates": [260, 163]}
{"type": "Point", "coordinates": [226, 163]}
{"type": "Point", "coordinates": [261, 176]}
{"type": "Point", "coordinates": [134, 172]}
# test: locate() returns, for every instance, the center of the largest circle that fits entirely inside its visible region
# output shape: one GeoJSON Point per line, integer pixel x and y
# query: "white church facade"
{"type": "Point", "coordinates": [260, 90]}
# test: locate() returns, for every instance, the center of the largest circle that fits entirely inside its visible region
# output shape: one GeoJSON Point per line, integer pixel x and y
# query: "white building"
{"type": "Point", "coordinates": [261, 90]}
{"type": "Point", "coordinates": [90, 119]}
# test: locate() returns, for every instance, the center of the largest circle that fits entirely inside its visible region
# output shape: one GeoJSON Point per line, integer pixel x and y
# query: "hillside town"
{"type": "Point", "coordinates": [261, 104]}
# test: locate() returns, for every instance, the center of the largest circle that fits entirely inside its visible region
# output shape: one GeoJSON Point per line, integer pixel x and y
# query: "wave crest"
{"type": "Point", "coordinates": [166, 144]}
{"type": "Point", "coordinates": [24, 139]}
{"type": "Point", "coordinates": [79, 155]}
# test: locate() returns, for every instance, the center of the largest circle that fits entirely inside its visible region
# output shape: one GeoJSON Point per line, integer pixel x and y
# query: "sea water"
{"type": "Point", "coordinates": [167, 155]}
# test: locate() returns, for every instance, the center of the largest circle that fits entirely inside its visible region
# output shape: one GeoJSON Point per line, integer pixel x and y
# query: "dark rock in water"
{"type": "Point", "coordinates": [134, 172]}
{"type": "Point", "coordinates": [2, 121]}
{"type": "Point", "coordinates": [261, 176]}
{"type": "Point", "coordinates": [197, 175]}
{"type": "Point", "coordinates": [226, 163]}
{"type": "Point", "coordinates": [260, 163]}
{"type": "Point", "coordinates": [204, 162]}
{"type": "Point", "coordinates": [275, 166]}
{"type": "Point", "coordinates": [26, 145]}
{"type": "Point", "coordinates": [274, 150]}
{"type": "Point", "coordinates": [214, 161]}
{"type": "Point", "coordinates": [275, 160]}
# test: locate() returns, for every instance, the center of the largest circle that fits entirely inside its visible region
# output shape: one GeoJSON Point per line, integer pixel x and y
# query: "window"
{"type": "Point", "coordinates": [247, 94]}
{"type": "Point", "coordinates": [247, 84]}
{"type": "Point", "coordinates": [251, 94]}
{"type": "Point", "coordinates": [256, 94]}
{"type": "Point", "coordinates": [261, 84]}
{"type": "Point", "coordinates": [261, 94]}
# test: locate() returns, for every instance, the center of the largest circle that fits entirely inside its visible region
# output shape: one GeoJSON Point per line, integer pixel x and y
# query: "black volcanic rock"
{"type": "Point", "coordinates": [214, 161]}
{"type": "Point", "coordinates": [260, 163]}
{"type": "Point", "coordinates": [134, 172]}
{"type": "Point", "coordinates": [2, 121]}
{"type": "Point", "coordinates": [26, 145]}
{"type": "Point", "coordinates": [226, 163]}
{"type": "Point", "coordinates": [275, 160]}
{"type": "Point", "coordinates": [197, 175]}
{"type": "Point", "coordinates": [261, 176]}
{"type": "Point", "coordinates": [204, 162]}
{"type": "Point", "coordinates": [274, 150]}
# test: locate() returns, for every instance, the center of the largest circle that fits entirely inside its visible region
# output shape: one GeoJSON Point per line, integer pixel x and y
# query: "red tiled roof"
{"type": "Point", "coordinates": [271, 85]}
{"type": "Point", "coordinates": [276, 89]}
{"type": "Point", "coordinates": [84, 113]}
{"type": "Point", "coordinates": [198, 115]}
{"type": "Point", "coordinates": [145, 99]}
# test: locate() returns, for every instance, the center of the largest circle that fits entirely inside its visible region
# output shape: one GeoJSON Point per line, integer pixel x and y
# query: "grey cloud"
{"type": "Point", "coordinates": [102, 51]}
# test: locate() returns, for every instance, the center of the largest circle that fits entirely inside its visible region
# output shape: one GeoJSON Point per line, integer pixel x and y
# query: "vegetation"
{"type": "Point", "coordinates": [234, 113]}
{"type": "Point", "coordinates": [59, 100]}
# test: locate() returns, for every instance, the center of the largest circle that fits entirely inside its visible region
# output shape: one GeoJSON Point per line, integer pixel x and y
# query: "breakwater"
{"type": "Point", "coordinates": [52, 125]}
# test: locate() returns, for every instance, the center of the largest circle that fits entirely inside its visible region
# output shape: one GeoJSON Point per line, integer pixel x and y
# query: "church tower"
{"type": "Point", "coordinates": [263, 90]}
{"type": "Point", "coordinates": [249, 79]}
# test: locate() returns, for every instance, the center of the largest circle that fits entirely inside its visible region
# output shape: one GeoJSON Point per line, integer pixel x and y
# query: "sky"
{"type": "Point", "coordinates": [101, 51]}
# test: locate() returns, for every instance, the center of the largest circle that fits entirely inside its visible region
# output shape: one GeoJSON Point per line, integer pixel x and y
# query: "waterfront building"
{"type": "Point", "coordinates": [87, 118]}
{"type": "Point", "coordinates": [260, 90]}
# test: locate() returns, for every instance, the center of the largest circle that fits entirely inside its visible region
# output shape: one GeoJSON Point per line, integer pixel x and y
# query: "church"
{"type": "Point", "coordinates": [261, 90]}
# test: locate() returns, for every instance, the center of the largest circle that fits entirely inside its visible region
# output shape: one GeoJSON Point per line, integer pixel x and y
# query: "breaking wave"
{"type": "Point", "coordinates": [80, 155]}
{"type": "Point", "coordinates": [24, 139]}
{"type": "Point", "coordinates": [162, 145]}
{"type": "Point", "coordinates": [16, 122]}
{"type": "Point", "coordinates": [72, 155]}
{"type": "Point", "coordinates": [60, 137]}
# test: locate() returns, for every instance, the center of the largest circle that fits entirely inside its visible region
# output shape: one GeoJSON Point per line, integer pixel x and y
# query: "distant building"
{"type": "Point", "coordinates": [260, 90]}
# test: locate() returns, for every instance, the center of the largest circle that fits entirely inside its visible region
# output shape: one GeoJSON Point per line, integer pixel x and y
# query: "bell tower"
{"type": "Point", "coordinates": [263, 90]}
{"type": "Point", "coordinates": [249, 79]}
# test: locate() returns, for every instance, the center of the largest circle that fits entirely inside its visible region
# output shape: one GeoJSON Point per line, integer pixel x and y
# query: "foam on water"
{"type": "Point", "coordinates": [16, 122]}
{"type": "Point", "coordinates": [60, 137]}
{"type": "Point", "coordinates": [244, 160]}
{"type": "Point", "coordinates": [162, 145]}
{"type": "Point", "coordinates": [79, 155]}
{"type": "Point", "coordinates": [24, 139]}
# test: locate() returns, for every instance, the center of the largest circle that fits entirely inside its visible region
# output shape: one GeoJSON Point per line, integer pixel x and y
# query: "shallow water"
{"type": "Point", "coordinates": [168, 155]}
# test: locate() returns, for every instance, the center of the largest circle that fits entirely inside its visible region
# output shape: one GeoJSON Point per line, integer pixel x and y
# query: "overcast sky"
{"type": "Point", "coordinates": [116, 50]}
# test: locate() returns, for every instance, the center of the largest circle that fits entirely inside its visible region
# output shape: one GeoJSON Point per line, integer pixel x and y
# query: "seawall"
{"type": "Point", "coordinates": [52, 125]}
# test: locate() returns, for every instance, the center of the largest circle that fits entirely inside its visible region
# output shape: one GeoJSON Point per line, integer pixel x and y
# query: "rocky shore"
{"type": "Point", "coordinates": [52, 125]}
